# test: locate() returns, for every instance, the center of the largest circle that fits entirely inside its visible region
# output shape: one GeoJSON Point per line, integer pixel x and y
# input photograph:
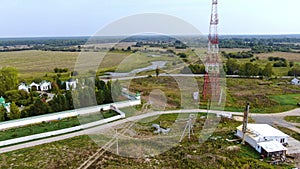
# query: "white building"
{"type": "Point", "coordinates": [23, 86]}
{"type": "Point", "coordinates": [37, 86]}
{"type": "Point", "coordinates": [71, 84]}
{"type": "Point", "coordinates": [264, 138]}
{"type": "Point", "coordinates": [295, 81]}
{"type": "Point", "coordinates": [45, 86]}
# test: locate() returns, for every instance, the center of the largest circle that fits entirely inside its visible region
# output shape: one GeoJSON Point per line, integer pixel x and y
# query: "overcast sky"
{"type": "Point", "coordinates": [32, 18]}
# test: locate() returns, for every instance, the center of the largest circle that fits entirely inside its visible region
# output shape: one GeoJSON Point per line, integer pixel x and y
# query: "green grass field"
{"type": "Point", "coordinates": [292, 119]}
{"type": "Point", "coordinates": [263, 96]}
{"type": "Point", "coordinates": [71, 153]}
{"type": "Point", "coordinates": [53, 125]}
{"type": "Point", "coordinates": [32, 64]}
{"type": "Point", "coordinates": [288, 99]}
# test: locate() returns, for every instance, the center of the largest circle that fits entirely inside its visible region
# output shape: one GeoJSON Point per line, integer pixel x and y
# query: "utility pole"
{"type": "Point", "coordinates": [117, 141]}
{"type": "Point", "coordinates": [245, 122]}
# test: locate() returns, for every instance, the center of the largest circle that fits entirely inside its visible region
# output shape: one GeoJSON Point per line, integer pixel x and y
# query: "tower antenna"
{"type": "Point", "coordinates": [211, 87]}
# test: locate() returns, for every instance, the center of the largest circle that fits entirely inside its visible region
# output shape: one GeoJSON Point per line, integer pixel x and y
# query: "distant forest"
{"type": "Point", "coordinates": [258, 43]}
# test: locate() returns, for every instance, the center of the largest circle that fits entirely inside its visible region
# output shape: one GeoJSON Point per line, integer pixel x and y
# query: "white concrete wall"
{"type": "Point", "coordinates": [251, 141]}
{"type": "Point", "coordinates": [58, 132]}
{"type": "Point", "coordinates": [65, 114]}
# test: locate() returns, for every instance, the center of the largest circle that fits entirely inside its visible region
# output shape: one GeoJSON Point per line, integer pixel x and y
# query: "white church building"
{"type": "Point", "coordinates": [42, 86]}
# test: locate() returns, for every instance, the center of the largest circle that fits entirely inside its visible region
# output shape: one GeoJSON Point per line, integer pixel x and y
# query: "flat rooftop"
{"type": "Point", "coordinates": [264, 130]}
{"type": "Point", "coordinates": [272, 146]}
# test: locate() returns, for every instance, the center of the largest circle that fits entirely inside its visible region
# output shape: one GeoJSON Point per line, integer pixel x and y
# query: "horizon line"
{"type": "Point", "coordinates": [88, 36]}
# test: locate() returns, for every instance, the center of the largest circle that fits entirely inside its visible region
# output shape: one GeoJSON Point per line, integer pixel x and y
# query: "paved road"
{"type": "Point", "coordinates": [274, 117]}
{"type": "Point", "coordinates": [105, 78]}
{"type": "Point", "coordinates": [278, 119]}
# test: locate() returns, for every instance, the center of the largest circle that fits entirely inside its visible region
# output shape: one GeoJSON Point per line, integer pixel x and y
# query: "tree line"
{"type": "Point", "coordinates": [24, 104]}
{"type": "Point", "coordinates": [261, 44]}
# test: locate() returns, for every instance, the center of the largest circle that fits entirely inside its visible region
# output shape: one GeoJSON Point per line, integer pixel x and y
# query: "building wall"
{"type": "Point", "coordinates": [251, 141]}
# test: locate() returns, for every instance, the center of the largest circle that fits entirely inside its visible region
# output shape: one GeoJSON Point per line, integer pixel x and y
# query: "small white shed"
{"type": "Point", "coordinates": [295, 81]}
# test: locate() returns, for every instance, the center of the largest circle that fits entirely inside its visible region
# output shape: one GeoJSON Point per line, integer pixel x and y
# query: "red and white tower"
{"type": "Point", "coordinates": [211, 87]}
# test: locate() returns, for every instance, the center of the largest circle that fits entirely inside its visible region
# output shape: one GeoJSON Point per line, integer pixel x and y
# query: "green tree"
{"type": "Point", "coordinates": [291, 63]}
{"type": "Point", "coordinates": [59, 103]}
{"type": "Point", "coordinates": [249, 69]}
{"type": "Point", "coordinates": [268, 70]}
{"type": "Point", "coordinates": [107, 93]}
{"type": "Point", "coordinates": [14, 111]}
{"type": "Point", "coordinates": [2, 113]}
{"type": "Point", "coordinates": [100, 84]}
{"type": "Point", "coordinates": [86, 96]}
{"type": "Point", "coordinates": [38, 108]}
{"type": "Point", "coordinates": [182, 55]}
{"type": "Point", "coordinates": [69, 99]}
{"type": "Point", "coordinates": [232, 67]}
{"type": "Point", "coordinates": [75, 99]}
{"type": "Point", "coordinates": [100, 97]}
{"type": "Point", "coordinates": [12, 95]}
{"type": "Point", "coordinates": [8, 79]}
{"type": "Point", "coordinates": [295, 71]}
{"type": "Point", "coordinates": [116, 89]}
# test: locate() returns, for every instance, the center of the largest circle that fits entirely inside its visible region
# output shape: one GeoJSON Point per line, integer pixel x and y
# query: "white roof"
{"type": "Point", "coordinates": [263, 130]}
{"type": "Point", "coordinates": [33, 84]}
{"type": "Point", "coordinates": [22, 84]}
{"type": "Point", "coordinates": [272, 146]}
{"type": "Point", "coordinates": [45, 83]}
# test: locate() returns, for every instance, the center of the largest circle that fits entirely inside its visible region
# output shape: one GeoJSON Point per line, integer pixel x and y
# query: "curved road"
{"type": "Point", "coordinates": [260, 118]}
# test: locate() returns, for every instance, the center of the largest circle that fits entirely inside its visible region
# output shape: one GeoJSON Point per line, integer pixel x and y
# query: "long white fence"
{"type": "Point", "coordinates": [64, 114]}
{"type": "Point", "coordinates": [58, 132]}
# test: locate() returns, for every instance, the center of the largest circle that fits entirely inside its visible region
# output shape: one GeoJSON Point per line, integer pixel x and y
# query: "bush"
{"type": "Point", "coordinates": [276, 59]}
{"type": "Point", "coordinates": [61, 70]}
{"type": "Point", "coordinates": [182, 55]}
{"type": "Point", "coordinates": [238, 55]}
{"type": "Point", "coordinates": [280, 64]}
